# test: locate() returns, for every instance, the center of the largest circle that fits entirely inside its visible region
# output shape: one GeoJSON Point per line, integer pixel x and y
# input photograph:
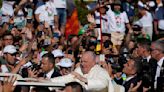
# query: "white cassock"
{"type": "Point", "coordinates": [98, 80]}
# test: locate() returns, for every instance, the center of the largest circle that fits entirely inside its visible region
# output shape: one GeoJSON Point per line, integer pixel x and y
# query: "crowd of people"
{"type": "Point", "coordinates": [121, 49]}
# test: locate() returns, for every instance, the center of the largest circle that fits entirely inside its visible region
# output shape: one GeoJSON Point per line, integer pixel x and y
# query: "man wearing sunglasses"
{"type": "Point", "coordinates": [11, 61]}
{"type": "Point", "coordinates": [66, 66]}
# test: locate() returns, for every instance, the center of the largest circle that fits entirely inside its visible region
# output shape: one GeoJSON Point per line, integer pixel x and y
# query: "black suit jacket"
{"type": "Point", "coordinates": [55, 74]}
{"type": "Point", "coordinates": [153, 67]}
{"type": "Point", "coordinates": [134, 80]}
{"type": "Point", "coordinates": [45, 89]}
{"type": "Point", "coordinates": [160, 79]}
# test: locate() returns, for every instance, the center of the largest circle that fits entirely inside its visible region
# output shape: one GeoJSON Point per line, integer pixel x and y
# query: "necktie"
{"type": "Point", "coordinates": [144, 60]}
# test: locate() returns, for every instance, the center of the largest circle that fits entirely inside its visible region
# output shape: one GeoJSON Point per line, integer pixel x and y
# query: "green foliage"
{"type": "Point", "coordinates": [82, 11]}
{"type": "Point", "coordinates": [0, 3]}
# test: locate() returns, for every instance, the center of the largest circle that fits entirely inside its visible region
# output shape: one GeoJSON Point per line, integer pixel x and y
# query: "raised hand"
{"type": "Point", "coordinates": [79, 77]}
{"type": "Point", "coordinates": [134, 88]}
{"type": "Point", "coordinates": [90, 18]}
{"type": "Point", "coordinates": [8, 84]}
{"type": "Point", "coordinates": [32, 73]}
{"type": "Point", "coordinates": [23, 2]}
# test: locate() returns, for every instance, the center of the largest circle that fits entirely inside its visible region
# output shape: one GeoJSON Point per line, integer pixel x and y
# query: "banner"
{"type": "Point", "coordinates": [72, 25]}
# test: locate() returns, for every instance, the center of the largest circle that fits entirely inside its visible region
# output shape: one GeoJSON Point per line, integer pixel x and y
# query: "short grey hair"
{"type": "Point", "coordinates": [90, 53]}
{"type": "Point", "coordinates": [159, 44]}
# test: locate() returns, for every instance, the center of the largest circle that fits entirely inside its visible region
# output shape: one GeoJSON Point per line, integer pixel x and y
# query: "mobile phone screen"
{"type": "Point", "coordinates": [102, 57]}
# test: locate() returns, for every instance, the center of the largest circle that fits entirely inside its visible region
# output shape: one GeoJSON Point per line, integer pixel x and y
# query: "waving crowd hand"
{"type": "Point", "coordinates": [8, 84]}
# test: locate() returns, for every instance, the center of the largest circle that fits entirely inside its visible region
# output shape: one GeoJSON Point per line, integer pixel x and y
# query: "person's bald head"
{"type": "Point", "coordinates": [88, 60]}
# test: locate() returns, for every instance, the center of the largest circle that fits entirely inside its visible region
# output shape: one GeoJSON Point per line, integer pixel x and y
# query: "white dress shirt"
{"type": "Point", "coordinates": [146, 20]}
{"type": "Point", "coordinates": [148, 58]}
{"type": "Point", "coordinates": [49, 74]}
{"type": "Point", "coordinates": [128, 78]}
{"type": "Point", "coordinates": [159, 63]}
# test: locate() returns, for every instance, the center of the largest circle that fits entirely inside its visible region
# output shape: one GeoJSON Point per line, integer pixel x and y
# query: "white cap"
{"type": "Point", "coordinates": [57, 53]}
{"type": "Point", "coordinates": [10, 49]}
{"type": "Point", "coordinates": [42, 53]}
{"type": "Point", "coordinates": [65, 62]}
{"type": "Point", "coordinates": [151, 3]}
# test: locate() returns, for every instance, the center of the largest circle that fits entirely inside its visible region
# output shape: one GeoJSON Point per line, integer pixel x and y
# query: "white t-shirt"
{"type": "Point", "coordinates": [60, 3]}
{"type": "Point", "coordinates": [19, 19]}
{"type": "Point", "coordinates": [161, 24]}
{"type": "Point", "coordinates": [118, 21]}
{"type": "Point", "coordinates": [4, 70]}
{"type": "Point", "coordinates": [112, 21]}
{"type": "Point", "coordinates": [146, 20]}
{"type": "Point", "coordinates": [47, 12]}
{"type": "Point", "coordinates": [7, 8]}
{"type": "Point", "coordinates": [104, 22]}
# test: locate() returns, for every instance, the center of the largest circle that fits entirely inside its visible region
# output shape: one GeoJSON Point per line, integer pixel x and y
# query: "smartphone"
{"type": "Point", "coordinates": [102, 57]}
{"type": "Point", "coordinates": [39, 34]}
{"type": "Point", "coordinates": [47, 41]}
{"type": "Point", "coordinates": [70, 51]}
{"type": "Point", "coordinates": [29, 12]}
{"type": "Point", "coordinates": [41, 23]}
{"type": "Point", "coordinates": [29, 20]}
{"type": "Point", "coordinates": [56, 35]}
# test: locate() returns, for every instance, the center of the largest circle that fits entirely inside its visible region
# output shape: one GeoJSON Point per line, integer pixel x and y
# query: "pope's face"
{"type": "Point", "coordinates": [87, 62]}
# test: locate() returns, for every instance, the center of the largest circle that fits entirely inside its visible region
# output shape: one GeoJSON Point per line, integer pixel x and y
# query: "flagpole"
{"type": "Point", "coordinates": [101, 41]}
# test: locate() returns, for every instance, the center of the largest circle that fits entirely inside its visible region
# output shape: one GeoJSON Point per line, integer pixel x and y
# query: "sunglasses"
{"type": "Point", "coordinates": [60, 57]}
{"type": "Point", "coordinates": [67, 68]}
{"type": "Point", "coordinates": [13, 54]}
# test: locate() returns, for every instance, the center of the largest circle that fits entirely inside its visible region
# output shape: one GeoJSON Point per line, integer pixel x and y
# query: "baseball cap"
{"type": "Point", "coordinates": [9, 49]}
{"type": "Point", "coordinates": [57, 53]}
{"type": "Point", "coordinates": [65, 62]}
{"type": "Point", "coordinates": [141, 6]}
{"type": "Point", "coordinates": [42, 53]}
{"type": "Point", "coordinates": [117, 2]}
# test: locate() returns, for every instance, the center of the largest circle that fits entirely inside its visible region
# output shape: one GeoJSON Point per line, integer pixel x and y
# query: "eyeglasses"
{"type": "Point", "coordinates": [13, 54]}
{"type": "Point", "coordinates": [60, 57]}
{"type": "Point", "coordinates": [67, 68]}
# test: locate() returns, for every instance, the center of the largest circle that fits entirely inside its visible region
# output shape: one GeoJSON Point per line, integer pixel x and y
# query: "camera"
{"type": "Point", "coordinates": [92, 43]}
{"type": "Point", "coordinates": [29, 20]}
{"type": "Point", "coordinates": [56, 35]}
{"type": "Point", "coordinates": [136, 28]}
{"type": "Point", "coordinates": [107, 43]}
{"type": "Point", "coordinates": [39, 34]}
{"type": "Point", "coordinates": [36, 67]}
{"type": "Point", "coordinates": [115, 66]}
{"type": "Point", "coordinates": [70, 51]}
